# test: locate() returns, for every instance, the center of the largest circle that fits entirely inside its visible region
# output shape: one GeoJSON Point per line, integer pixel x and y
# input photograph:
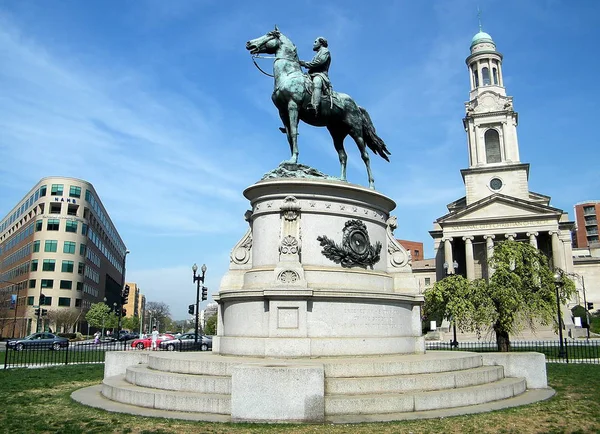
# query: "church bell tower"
{"type": "Point", "coordinates": [491, 126]}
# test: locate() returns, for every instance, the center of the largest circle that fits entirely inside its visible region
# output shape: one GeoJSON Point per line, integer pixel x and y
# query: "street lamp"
{"type": "Point", "coordinates": [454, 342]}
{"type": "Point", "coordinates": [103, 317]}
{"type": "Point", "coordinates": [557, 283]}
{"type": "Point", "coordinates": [197, 280]}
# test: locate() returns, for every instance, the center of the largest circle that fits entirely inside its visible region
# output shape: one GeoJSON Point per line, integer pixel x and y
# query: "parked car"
{"type": "Point", "coordinates": [125, 335]}
{"type": "Point", "coordinates": [37, 341]}
{"type": "Point", "coordinates": [187, 342]}
{"type": "Point", "coordinates": [140, 344]}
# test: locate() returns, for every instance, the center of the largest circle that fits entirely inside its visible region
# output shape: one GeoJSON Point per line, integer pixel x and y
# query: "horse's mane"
{"type": "Point", "coordinates": [288, 40]}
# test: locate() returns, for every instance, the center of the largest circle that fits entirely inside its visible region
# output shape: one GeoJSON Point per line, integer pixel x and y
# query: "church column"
{"type": "Point", "coordinates": [489, 241]}
{"type": "Point", "coordinates": [470, 262]}
{"type": "Point", "coordinates": [448, 259]}
{"type": "Point", "coordinates": [557, 257]}
{"type": "Point", "coordinates": [533, 238]}
{"type": "Point", "coordinates": [510, 237]}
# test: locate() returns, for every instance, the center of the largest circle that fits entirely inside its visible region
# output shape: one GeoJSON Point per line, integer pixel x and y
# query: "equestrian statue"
{"type": "Point", "coordinates": [310, 98]}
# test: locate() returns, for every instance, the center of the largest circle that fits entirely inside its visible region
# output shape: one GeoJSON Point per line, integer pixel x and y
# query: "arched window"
{"type": "Point", "coordinates": [475, 77]}
{"type": "Point", "coordinates": [492, 146]}
{"type": "Point", "coordinates": [485, 75]}
{"type": "Point", "coordinates": [495, 75]}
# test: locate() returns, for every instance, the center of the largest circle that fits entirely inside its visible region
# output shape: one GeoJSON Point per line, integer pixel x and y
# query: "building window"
{"type": "Point", "coordinates": [72, 209]}
{"type": "Point", "coordinates": [30, 300]}
{"type": "Point", "coordinates": [64, 301]}
{"type": "Point", "coordinates": [416, 253]}
{"type": "Point", "coordinates": [69, 247]}
{"type": "Point", "coordinates": [82, 249]}
{"type": "Point", "coordinates": [42, 190]}
{"type": "Point", "coordinates": [71, 226]}
{"type": "Point", "coordinates": [31, 283]}
{"type": "Point", "coordinates": [79, 286]}
{"type": "Point", "coordinates": [84, 229]}
{"type": "Point", "coordinates": [47, 301]}
{"type": "Point", "coordinates": [427, 281]}
{"type": "Point", "coordinates": [66, 284]}
{"type": "Point", "coordinates": [48, 265]}
{"type": "Point", "coordinates": [36, 246]}
{"type": "Point", "coordinates": [34, 265]}
{"type": "Point", "coordinates": [476, 77]}
{"type": "Point", "coordinates": [55, 208]}
{"type": "Point", "coordinates": [80, 268]}
{"type": "Point", "coordinates": [492, 146]}
{"type": "Point", "coordinates": [78, 302]}
{"type": "Point", "coordinates": [53, 225]}
{"type": "Point", "coordinates": [56, 190]}
{"type": "Point", "coordinates": [51, 246]}
{"type": "Point", "coordinates": [495, 75]}
{"type": "Point", "coordinates": [38, 225]}
{"type": "Point", "coordinates": [67, 266]}
{"type": "Point", "coordinates": [74, 191]}
{"type": "Point", "coordinates": [485, 75]}
{"type": "Point", "coordinates": [47, 283]}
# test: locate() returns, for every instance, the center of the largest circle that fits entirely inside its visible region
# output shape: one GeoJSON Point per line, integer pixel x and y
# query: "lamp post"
{"type": "Point", "coordinates": [454, 342]}
{"type": "Point", "coordinates": [587, 312]}
{"type": "Point", "coordinates": [561, 348]}
{"type": "Point", "coordinates": [103, 318]}
{"type": "Point", "coordinates": [16, 303]}
{"type": "Point", "coordinates": [197, 280]}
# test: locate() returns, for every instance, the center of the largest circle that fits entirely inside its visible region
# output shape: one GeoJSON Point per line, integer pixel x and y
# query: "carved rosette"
{"type": "Point", "coordinates": [398, 256]}
{"type": "Point", "coordinates": [289, 246]}
{"type": "Point", "coordinates": [288, 276]}
{"type": "Point", "coordinates": [356, 249]}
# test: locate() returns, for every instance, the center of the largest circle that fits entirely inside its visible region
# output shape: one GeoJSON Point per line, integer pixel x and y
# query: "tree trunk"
{"type": "Point", "coordinates": [502, 340]}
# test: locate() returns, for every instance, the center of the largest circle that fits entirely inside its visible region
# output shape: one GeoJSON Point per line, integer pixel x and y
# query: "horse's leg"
{"type": "Point", "coordinates": [356, 134]}
{"type": "Point", "coordinates": [338, 142]}
{"type": "Point", "coordinates": [286, 121]}
{"type": "Point", "coordinates": [292, 128]}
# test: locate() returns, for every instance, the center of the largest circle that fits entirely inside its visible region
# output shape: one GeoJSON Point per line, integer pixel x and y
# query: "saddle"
{"type": "Point", "coordinates": [328, 92]}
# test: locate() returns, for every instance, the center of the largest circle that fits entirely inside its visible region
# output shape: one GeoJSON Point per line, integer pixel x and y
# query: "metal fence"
{"type": "Point", "coordinates": [571, 351]}
{"type": "Point", "coordinates": [42, 354]}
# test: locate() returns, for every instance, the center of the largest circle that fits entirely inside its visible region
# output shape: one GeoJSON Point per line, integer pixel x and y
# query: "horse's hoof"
{"type": "Point", "coordinates": [282, 130]}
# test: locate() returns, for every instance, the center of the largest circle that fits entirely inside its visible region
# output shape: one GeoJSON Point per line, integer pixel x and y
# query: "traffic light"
{"type": "Point", "coordinates": [191, 309]}
{"type": "Point", "coordinates": [44, 312]}
{"type": "Point", "coordinates": [42, 299]}
{"type": "Point", "coordinates": [37, 312]}
{"type": "Point", "coordinates": [125, 295]}
{"type": "Point", "coordinates": [123, 312]}
{"type": "Point", "coordinates": [590, 306]}
{"type": "Point", "coordinates": [204, 293]}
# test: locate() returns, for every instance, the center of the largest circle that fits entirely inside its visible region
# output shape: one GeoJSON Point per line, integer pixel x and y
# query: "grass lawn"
{"type": "Point", "coordinates": [38, 401]}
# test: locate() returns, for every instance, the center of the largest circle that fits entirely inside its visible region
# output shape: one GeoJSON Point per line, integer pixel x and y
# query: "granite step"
{"type": "Point", "coordinates": [118, 389]}
{"type": "Point", "coordinates": [413, 382]}
{"type": "Point", "coordinates": [142, 375]}
{"type": "Point", "coordinates": [382, 403]}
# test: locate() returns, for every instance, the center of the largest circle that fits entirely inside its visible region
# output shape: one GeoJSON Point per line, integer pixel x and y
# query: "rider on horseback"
{"type": "Point", "coordinates": [318, 69]}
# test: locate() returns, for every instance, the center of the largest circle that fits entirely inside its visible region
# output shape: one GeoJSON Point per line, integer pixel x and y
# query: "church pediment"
{"type": "Point", "coordinates": [500, 207]}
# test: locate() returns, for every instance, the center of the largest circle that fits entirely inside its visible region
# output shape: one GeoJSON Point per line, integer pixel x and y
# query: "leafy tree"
{"type": "Point", "coordinates": [131, 323]}
{"type": "Point", "coordinates": [63, 319]}
{"type": "Point", "coordinates": [210, 328]}
{"type": "Point", "coordinates": [98, 315]}
{"type": "Point", "coordinates": [520, 292]}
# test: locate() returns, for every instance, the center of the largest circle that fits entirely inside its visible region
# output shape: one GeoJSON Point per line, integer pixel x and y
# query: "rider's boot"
{"type": "Point", "coordinates": [315, 100]}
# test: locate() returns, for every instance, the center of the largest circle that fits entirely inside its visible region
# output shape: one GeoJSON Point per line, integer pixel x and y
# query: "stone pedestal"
{"type": "Point", "coordinates": [318, 273]}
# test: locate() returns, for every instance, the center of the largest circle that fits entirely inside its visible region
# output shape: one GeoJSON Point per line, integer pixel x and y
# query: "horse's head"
{"type": "Point", "coordinates": [268, 43]}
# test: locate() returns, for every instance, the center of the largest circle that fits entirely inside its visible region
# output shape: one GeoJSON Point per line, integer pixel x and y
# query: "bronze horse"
{"type": "Point", "coordinates": [291, 96]}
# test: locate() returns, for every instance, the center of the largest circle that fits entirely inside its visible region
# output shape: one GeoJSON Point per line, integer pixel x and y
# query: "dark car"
{"type": "Point", "coordinates": [187, 342]}
{"type": "Point", "coordinates": [39, 341]}
{"type": "Point", "coordinates": [126, 335]}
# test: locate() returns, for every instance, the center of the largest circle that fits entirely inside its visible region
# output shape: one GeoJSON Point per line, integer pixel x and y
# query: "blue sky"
{"type": "Point", "coordinates": [159, 106]}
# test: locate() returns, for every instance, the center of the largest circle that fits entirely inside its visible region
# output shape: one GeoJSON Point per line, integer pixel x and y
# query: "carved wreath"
{"type": "Point", "coordinates": [356, 249]}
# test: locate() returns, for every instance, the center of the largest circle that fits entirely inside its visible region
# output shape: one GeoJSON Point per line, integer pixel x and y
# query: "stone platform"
{"type": "Point", "coordinates": [205, 386]}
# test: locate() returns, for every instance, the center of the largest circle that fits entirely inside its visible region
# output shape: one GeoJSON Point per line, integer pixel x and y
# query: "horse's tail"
{"type": "Point", "coordinates": [373, 141]}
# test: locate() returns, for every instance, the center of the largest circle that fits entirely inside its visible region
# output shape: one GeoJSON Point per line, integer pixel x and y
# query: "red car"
{"type": "Point", "coordinates": [140, 344]}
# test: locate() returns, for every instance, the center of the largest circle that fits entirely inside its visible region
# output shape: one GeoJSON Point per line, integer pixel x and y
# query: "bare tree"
{"type": "Point", "coordinates": [64, 319]}
{"type": "Point", "coordinates": [159, 313]}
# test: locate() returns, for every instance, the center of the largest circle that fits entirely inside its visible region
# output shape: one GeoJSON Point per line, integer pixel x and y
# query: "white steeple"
{"type": "Point", "coordinates": [491, 126]}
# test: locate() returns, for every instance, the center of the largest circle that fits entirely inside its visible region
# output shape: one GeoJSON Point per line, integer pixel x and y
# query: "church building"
{"type": "Point", "coordinates": [498, 204]}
